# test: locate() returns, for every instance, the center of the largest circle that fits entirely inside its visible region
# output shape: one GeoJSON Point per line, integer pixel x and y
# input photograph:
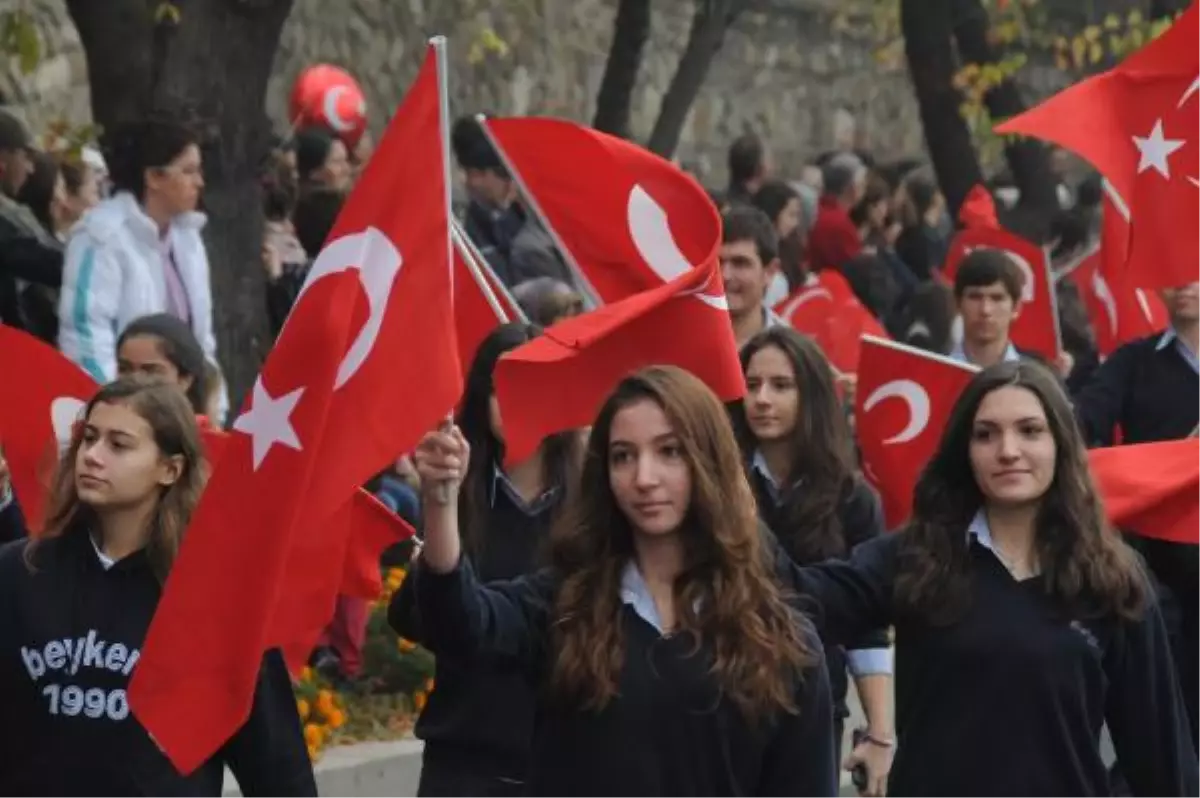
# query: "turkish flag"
{"type": "Point", "coordinates": [828, 311]}
{"type": "Point", "coordinates": [372, 529]}
{"type": "Point", "coordinates": [630, 219]}
{"type": "Point", "coordinates": [559, 380]}
{"type": "Point", "coordinates": [474, 316]}
{"type": "Point", "coordinates": [1035, 328]}
{"type": "Point", "coordinates": [366, 363]}
{"type": "Point", "coordinates": [1151, 489]}
{"type": "Point", "coordinates": [1119, 312]}
{"type": "Point", "coordinates": [37, 414]}
{"type": "Point", "coordinates": [902, 403]}
{"type": "Point", "coordinates": [1136, 124]}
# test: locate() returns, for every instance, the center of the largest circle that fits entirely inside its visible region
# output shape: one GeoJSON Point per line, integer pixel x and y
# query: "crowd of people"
{"type": "Point", "coordinates": [674, 600]}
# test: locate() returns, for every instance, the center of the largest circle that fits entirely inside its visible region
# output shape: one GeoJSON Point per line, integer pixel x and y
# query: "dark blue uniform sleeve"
{"type": "Point", "coordinates": [801, 757]}
{"type": "Point", "coordinates": [12, 520]}
{"type": "Point", "coordinates": [462, 617]}
{"type": "Point", "coordinates": [848, 598]}
{"type": "Point", "coordinates": [1145, 711]}
{"type": "Point", "coordinates": [267, 755]}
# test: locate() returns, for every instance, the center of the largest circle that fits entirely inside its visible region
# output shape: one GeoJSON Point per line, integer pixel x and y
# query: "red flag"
{"type": "Point", "coordinates": [828, 311]}
{"type": "Point", "coordinates": [1119, 312]}
{"type": "Point", "coordinates": [903, 401]}
{"type": "Point", "coordinates": [366, 363]}
{"type": "Point", "coordinates": [474, 316]}
{"type": "Point", "coordinates": [1151, 488]}
{"type": "Point", "coordinates": [978, 209]}
{"type": "Point", "coordinates": [372, 528]}
{"type": "Point", "coordinates": [36, 415]}
{"type": "Point", "coordinates": [559, 380]}
{"type": "Point", "coordinates": [630, 219]}
{"type": "Point", "coordinates": [1035, 329]}
{"type": "Point", "coordinates": [1137, 125]}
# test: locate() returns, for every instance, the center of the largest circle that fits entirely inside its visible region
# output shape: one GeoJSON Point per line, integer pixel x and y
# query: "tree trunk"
{"type": "Point", "coordinates": [631, 30]}
{"type": "Point", "coordinates": [1028, 159]}
{"type": "Point", "coordinates": [709, 24]}
{"type": "Point", "coordinates": [929, 50]}
{"type": "Point", "coordinates": [214, 64]}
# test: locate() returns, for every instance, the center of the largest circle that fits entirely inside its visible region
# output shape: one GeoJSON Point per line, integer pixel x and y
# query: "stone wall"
{"type": "Point", "coordinates": [783, 72]}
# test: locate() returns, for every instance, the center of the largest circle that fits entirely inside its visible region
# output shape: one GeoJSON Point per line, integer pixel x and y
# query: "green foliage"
{"type": "Point", "coordinates": [19, 38]}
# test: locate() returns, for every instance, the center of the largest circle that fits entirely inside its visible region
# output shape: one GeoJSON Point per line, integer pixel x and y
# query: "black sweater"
{"type": "Point", "coordinates": [1010, 699]}
{"type": "Point", "coordinates": [668, 732]}
{"type": "Point", "coordinates": [70, 636]}
{"type": "Point", "coordinates": [12, 521]}
{"type": "Point", "coordinates": [480, 714]}
{"type": "Point", "coordinates": [1152, 394]}
{"type": "Point", "coordinates": [861, 518]}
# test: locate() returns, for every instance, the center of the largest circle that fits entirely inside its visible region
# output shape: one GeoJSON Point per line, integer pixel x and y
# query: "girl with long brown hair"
{"type": "Point", "coordinates": [1023, 622]}
{"type": "Point", "coordinates": [799, 458]}
{"type": "Point", "coordinates": [667, 659]}
{"type": "Point", "coordinates": [478, 724]}
{"type": "Point", "coordinates": [79, 599]}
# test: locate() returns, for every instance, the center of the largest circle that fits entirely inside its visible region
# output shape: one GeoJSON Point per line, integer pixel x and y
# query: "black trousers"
{"type": "Point", "coordinates": [441, 780]}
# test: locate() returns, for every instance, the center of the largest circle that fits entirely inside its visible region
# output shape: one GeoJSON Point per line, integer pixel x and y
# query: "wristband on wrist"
{"type": "Point", "coordinates": [882, 742]}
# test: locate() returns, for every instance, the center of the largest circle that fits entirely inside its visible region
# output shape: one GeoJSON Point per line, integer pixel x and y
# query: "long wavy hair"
{"type": "Point", "coordinates": [1086, 569]}
{"type": "Point", "coordinates": [560, 452]}
{"type": "Point", "coordinates": [166, 410]}
{"type": "Point", "coordinates": [809, 523]}
{"type": "Point", "coordinates": [726, 599]}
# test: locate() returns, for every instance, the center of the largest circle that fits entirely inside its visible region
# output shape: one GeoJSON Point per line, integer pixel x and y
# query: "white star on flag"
{"type": "Point", "coordinates": [268, 421]}
{"type": "Point", "coordinates": [1155, 149]}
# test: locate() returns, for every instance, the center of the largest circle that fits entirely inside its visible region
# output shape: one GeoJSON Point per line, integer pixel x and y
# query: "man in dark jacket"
{"type": "Point", "coordinates": [499, 224]}
{"type": "Point", "coordinates": [31, 259]}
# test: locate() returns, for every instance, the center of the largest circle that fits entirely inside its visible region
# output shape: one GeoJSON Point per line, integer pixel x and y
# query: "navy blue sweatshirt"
{"type": "Point", "coordinates": [12, 520]}
{"type": "Point", "coordinates": [861, 518]}
{"type": "Point", "coordinates": [71, 632]}
{"type": "Point", "coordinates": [668, 732]}
{"type": "Point", "coordinates": [1146, 389]}
{"type": "Point", "coordinates": [1010, 699]}
{"type": "Point", "coordinates": [480, 714]}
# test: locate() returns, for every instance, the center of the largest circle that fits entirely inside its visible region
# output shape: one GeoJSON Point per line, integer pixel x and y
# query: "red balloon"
{"type": "Point", "coordinates": [329, 97]}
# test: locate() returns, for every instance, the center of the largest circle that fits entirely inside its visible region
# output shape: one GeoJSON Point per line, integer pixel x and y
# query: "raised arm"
{"type": "Point", "coordinates": [848, 599]}
{"type": "Point", "coordinates": [458, 615]}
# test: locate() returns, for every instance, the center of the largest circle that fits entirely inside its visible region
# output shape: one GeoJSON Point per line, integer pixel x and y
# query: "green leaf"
{"type": "Point", "coordinates": [28, 44]}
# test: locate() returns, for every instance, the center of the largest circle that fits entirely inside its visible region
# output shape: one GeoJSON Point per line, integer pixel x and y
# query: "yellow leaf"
{"type": "Point", "coordinates": [166, 12]}
{"type": "Point", "coordinates": [1078, 51]}
{"type": "Point", "coordinates": [1135, 18]}
{"type": "Point", "coordinates": [475, 54]}
{"type": "Point", "coordinates": [1062, 62]}
{"type": "Point", "coordinates": [1091, 33]}
{"type": "Point", "coordinates": [1112, 22]}
{"type": "Point", "coordinates": [1095, 52]}
{"type": "Point", "coordinates": [1136, 38]}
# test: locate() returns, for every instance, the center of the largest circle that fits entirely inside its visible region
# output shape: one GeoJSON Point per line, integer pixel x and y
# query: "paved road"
{"type": "Point", "coordinates": [393, 769]}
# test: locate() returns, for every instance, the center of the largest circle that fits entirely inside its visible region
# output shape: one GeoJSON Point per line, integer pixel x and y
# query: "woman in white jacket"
{"type": "Point", "coordinates": [140, 251]}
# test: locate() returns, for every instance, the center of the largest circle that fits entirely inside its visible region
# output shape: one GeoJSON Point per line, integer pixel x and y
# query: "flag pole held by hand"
{"type": "Point", "coordinates": [441, 492]}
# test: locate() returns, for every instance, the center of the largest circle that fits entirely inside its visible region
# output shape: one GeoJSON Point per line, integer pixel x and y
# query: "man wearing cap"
{"type": "Point", "coordinates": [29, 253]}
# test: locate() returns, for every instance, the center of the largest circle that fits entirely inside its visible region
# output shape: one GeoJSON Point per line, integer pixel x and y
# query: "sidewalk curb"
{"type": "Point", "coordinates": [385, 769]}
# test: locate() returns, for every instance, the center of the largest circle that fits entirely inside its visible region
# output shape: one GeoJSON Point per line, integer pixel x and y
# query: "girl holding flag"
{"type": "Point", "coordinates": [478, 724]}
{"type": "Point", "coordinates": [664, 656]}
{"type": "Point", "coordinates": [78, 601]}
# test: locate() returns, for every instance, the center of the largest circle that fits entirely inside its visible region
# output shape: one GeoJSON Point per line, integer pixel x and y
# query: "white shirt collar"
{"type": "Point", "coordinates": [106, 562]}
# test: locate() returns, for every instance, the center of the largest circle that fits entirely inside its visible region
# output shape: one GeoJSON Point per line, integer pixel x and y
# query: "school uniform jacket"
{"type": "Point", "coordinates": [71, 633]}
